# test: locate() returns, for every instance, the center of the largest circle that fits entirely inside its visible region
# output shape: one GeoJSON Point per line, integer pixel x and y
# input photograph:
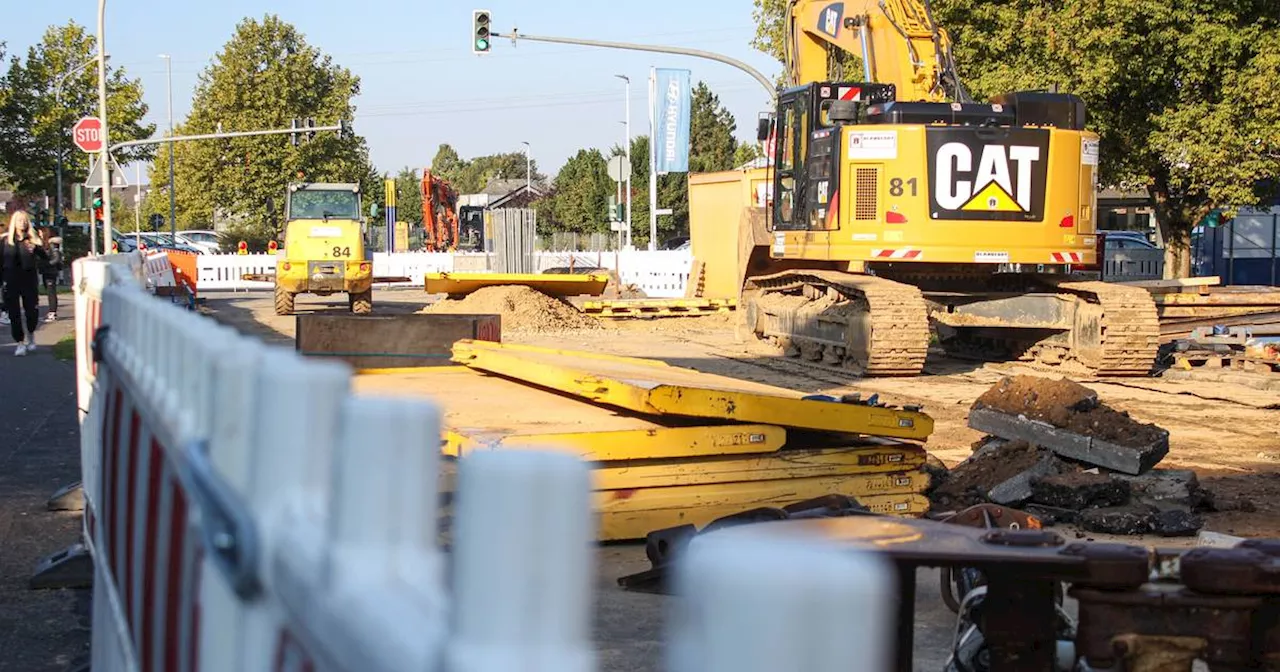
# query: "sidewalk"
{"type": "Point", "coordinates": [39, 452]}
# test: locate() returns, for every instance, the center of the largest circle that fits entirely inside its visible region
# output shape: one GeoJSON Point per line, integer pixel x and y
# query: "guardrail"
{"type": "Point", "coordinates": [246, 512]}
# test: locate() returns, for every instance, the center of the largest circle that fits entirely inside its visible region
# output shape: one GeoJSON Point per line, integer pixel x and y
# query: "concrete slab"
{"type": "Point", "coordinates": [391, 341]}
{"type": "Point", "coordinates": [1090, 450]}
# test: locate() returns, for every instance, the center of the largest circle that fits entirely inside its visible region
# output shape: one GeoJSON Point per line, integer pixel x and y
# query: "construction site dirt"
{"type": "Point", "coordinates": [1069, 405]}
{"type": "Point", "coordinates": [1225, 433]}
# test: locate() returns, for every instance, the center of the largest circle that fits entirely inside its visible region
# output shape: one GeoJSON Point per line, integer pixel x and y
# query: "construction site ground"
{"type": "Point", "coordinates": [1227, 433]}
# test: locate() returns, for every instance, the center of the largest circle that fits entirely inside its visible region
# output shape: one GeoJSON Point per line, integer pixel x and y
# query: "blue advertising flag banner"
{"type": "Point", "coordinates": [671, 119]}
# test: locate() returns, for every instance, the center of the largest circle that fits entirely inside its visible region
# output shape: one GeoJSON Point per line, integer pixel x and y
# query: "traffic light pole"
{"type": "Point", "coordinates": [516, 36]}
{"type": "Point", "coordinates": [340, 127]}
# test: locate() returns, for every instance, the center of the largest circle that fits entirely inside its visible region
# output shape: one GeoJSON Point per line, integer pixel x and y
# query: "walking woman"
{"type": "Point", "coordinates": [21, 253]}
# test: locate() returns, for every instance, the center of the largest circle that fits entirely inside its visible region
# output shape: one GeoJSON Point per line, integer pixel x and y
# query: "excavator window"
{"type": "Point", "coordinates": [793, 139]}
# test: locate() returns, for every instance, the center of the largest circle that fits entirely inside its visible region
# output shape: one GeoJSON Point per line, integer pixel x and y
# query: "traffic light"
{"type": "Point", "coordinates": [344, 128]}
{"type": "Point", "coordinates": [311, 129]}
{"type": "Point", "coordinates": [293, 137]}
{"type": "Point", "coordinates": [480, 31]}
{"type": "Point", "coordinates": [97, 205]}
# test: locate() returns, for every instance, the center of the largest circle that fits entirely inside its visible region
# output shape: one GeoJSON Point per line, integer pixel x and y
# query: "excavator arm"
{"type": "Point", "coordinates": [439, 213]}
{"type": "Point", "coordinates": [898, 41]}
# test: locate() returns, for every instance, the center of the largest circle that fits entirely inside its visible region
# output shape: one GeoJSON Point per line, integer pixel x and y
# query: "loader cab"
{"type": "Point", "coordinates": [806, 144]}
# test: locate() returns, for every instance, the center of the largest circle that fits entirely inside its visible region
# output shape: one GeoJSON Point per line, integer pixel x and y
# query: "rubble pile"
{"type": "Point", "coordinates": [1057, 453]}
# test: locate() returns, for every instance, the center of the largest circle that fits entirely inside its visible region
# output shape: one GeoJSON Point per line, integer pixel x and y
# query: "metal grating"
{"type": "Point", "coordinates": [866, 194]}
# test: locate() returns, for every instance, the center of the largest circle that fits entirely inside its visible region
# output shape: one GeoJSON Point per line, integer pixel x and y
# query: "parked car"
{"type": "Point", "coordinates": [201, 239]}
{"type": "Point", "coordinates": [1128, 240]}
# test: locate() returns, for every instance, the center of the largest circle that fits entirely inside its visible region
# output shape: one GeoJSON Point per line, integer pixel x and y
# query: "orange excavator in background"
{"type": "Point", "coordinates": [439, 213]}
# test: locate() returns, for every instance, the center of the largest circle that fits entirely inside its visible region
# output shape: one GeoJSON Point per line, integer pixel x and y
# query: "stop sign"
{"type": "Point", "coordinates": [87, 134]}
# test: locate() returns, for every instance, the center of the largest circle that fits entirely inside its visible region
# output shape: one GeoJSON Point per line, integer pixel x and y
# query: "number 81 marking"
{"type": "Point", "coordinates": [896, 186]}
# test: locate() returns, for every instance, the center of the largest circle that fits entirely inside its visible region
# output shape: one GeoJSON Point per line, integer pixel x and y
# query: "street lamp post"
{"type": "Point", "coordinates": [528, 172]}
{"type": "Point", "coordinates": [57, 102]}
{"type": "Point", "coordinates": [105, 155]}
{"type": "Point", "coordinates": [627, 147]}
{"type": "Point", "coordinates": [173, 220]}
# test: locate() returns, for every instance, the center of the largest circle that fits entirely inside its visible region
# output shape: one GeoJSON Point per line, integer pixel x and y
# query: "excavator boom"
{"type": "Point", "coordinates": [898, 41]}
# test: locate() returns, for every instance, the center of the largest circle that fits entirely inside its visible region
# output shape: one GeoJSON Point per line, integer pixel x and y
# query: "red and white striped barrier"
{"type": "Point", "coordinates": [246, 512]}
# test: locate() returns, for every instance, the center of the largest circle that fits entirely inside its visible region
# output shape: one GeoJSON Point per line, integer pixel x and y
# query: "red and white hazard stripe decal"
{"type": "Point", "coordinates": [145, 540]}
{"type": "Point", "coordinates": [903, 253]}
{"type": "Point", "coordinates": [290, 656]}
{"type": "Point", "coordinates": [93, 320]}
{"type": "Point", "coordinates": [852, 93]}
{"type": "Point", "coordinates": [1067, 257]}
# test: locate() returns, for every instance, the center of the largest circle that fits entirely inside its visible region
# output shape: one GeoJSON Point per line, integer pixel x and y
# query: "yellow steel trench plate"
{"type": "Point", "coordinates": [654, 388]}
{"type": "Point", "coordinates": [633, 514]}
{"type": "Point", "coordinates": [655, 443]}
{"type": "Point", "coordinates": [554, 284]}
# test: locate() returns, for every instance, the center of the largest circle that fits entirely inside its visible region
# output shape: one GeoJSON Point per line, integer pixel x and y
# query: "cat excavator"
{"type": "Point", "coordinates": [895, 201]}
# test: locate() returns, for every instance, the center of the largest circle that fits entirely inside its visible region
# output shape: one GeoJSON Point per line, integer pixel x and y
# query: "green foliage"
{"type": "Point", "coordinates": [471, 176]}
{"type": "Point", "coordinates": [35, 125]}
{"type": "Point", "coordinates": [264, 77]}
{"type": "Point", "coordinates": [65, 348]}
{"type": "Point", "coordinates": [581, 195]}
{"type": "Point", "coordinates": [711, 128]}
{"type": "Point", "coordinates": [409, 196]}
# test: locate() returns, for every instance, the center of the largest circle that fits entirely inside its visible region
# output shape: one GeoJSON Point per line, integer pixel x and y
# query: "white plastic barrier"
{"type": "Point", "coordinates": [158, 270]}
{"type": "Point", "coordinates": [226, 271]}
{"type": "Point", "coordinates": [246, 512]}
{"type": "Point", "coordinates": [661, 274]}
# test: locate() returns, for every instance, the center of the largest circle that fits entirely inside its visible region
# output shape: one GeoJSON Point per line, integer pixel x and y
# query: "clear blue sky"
{"type": "Point", "coordinates": [420, 83]}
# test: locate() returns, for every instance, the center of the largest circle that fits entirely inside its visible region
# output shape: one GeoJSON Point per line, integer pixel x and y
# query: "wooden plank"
{"type": "Point", "coordinates": [1175, 283]}
{"type": "Point", "coordinates": [387, 341]}
{"type": "Point", "coordinates": [651, 387]}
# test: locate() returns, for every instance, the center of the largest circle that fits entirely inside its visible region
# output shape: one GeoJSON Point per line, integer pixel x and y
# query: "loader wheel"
{"type": "Point", "coordinates": [361, 303]}
{"type": "Point", "coordinates": [284, 302]}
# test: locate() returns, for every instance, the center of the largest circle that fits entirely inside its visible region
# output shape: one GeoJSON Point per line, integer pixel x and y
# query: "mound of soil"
{"type": "Point", "coordinates": [971, 480]}
{"type": "Point", "coordinates": [522, 309]}
{"type": "Point", "coordinates": [1069, 405]}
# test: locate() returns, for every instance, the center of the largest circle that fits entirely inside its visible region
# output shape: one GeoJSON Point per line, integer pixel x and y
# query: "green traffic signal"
{"type": "Point", "coordinates": [480, 31]}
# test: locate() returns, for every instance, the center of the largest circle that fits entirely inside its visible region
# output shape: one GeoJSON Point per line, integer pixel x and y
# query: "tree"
{"type": "Point", "coordinates": [711, 129]}
{"type": "Point", "coordinates": [1181, 94]}
{"type": "Point", "coordinates": [471, 176]}
{"type": "Point", "coordinates": [37, 124]}
{"type": "Point", "coordinates": [264, 77]}
{"type": "Point", "coordinates": [582, 189]}
{"type": "Point", "coordinates": [409, 196]}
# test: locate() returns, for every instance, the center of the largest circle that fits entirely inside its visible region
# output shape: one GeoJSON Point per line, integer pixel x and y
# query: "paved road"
{"type": "Point", "coordinates": [39, 630]}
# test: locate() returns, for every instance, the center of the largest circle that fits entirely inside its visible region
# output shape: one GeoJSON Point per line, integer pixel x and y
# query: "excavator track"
{"type": "Point", "coordinates": [862, 323]}
{"type": "Point", "coordinates": [1117, 332]}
